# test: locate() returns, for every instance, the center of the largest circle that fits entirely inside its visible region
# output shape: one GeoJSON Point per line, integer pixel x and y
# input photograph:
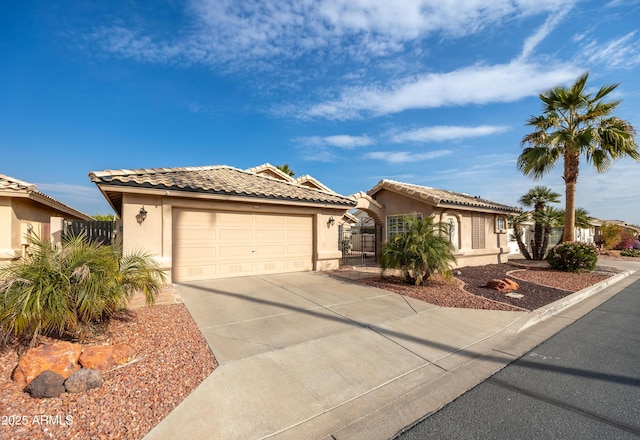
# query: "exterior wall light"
{"type": "Point", "coordinates": [331, 222]}
{"type": "Point", "coordinates": [141, 216]}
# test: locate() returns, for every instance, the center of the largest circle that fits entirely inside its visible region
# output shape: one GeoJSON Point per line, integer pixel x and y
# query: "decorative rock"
{"type": "Point", "coordinates": [46, 384]}
{"type": "Point", "coordinates": [105, 357]}
{"type": "Point", "coordinates": [515, 295]}
{"type": "Point", "coordinates": [61, 358]}
{"type": "Point", "coordinates": [504, 286]}
{"type": "Point", "coordinates": [83, 380]}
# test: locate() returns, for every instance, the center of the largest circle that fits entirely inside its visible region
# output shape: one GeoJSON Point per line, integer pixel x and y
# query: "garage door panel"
{"type": "Point", "coordinates": [234, 252]}
{"type": "Point", "coordinates": [271, 234]}
{"type": "Point", "coordinates": [222, 244]}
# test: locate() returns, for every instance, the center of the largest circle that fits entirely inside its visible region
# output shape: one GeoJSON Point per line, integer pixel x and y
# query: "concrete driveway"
{"type": "Point", "coordinates": [305, 355]}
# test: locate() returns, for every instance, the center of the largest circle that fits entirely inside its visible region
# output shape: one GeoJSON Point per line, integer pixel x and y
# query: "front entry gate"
{"type": "Point", "coordinates": [360, 243]}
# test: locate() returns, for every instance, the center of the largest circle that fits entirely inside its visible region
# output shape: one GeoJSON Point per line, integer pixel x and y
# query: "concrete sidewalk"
{"type": "Point", "coordinates": [309, 355]}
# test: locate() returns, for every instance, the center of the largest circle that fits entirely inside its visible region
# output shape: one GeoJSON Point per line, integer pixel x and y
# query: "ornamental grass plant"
{"type": "Point", "coordinates": [61, 289]}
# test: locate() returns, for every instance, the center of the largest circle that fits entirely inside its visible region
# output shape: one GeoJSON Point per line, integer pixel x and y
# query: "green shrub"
{"type": "Point", "coordinates": [62, 289]}
{"type": "Point", "coordinates": [630, 252]}
{"type": "Point", "coordinates": [420, 252]}
{"type": "Point", "coordinates": [573, 257]}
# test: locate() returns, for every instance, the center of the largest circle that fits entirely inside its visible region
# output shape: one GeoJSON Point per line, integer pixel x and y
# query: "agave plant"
{"type": "Point", "coordinates": [419, 252]}
{"type": "Point", "coordinates": [59, 288]}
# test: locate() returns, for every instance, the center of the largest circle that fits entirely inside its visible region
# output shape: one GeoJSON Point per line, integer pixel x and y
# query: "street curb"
{"type": "Point", "coordinates": [543, 313]}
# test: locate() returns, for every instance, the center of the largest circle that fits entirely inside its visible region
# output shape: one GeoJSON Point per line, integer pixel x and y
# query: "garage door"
{"type": "Point", "coordinates": [209, 244]}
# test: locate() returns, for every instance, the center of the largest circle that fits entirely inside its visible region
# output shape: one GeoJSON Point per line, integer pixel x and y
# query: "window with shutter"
{"type": "Point", "coordinates": [478, 231]}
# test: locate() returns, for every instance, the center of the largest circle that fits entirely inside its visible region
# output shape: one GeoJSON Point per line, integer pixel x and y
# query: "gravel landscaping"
{"type": "Point", "coordinates": [539, 285]}
{"type": "Point", "coordinates": [172, 358]}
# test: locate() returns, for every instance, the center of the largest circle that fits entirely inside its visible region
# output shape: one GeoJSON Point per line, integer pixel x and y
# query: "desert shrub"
{"type": "Point", "coordinates": [625, 243]}
{"type": "Point", "coordinates": [630, 252]}
{"type": "Point", "coordinates": [59, 289]}
{"type": "Point", "coordinates": [611, 234]}
{"type": "Point", "coordinates": [573, 257]}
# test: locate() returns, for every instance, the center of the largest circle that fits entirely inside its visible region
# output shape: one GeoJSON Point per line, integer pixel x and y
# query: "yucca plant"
{"type": "Point", "coordinates": [59, 288]}
{"type": "Point", "coordinates": [421, 251]}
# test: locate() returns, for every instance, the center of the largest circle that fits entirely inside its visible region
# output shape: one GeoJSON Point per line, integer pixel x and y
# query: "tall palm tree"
{"type": "Point", "coordinates": [582, 220]}
{"type": "Point", "coordinates": [538, 197]}
{"type": "Point", "coordinates": [576, 123]}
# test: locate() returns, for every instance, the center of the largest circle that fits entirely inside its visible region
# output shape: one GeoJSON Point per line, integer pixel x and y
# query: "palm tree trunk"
{"type": "Point", "coordinates": [517, 231]}
{"type": "Point", "coordinates": [571, 163]}
{"type": "Point", "coordinates": [545, 242]}
{"type": "Point", "coordinates": [537, 241]}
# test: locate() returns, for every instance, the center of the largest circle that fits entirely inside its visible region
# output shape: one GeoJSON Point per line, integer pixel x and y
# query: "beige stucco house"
{"type": "Point", "coordinates": [477, 227]}
{"type": "Point", "coordinates": [220, 221]}
{"type": "Point", "coordinates": [25, 212]}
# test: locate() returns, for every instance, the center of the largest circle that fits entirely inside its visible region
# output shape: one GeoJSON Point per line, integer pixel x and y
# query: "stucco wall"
{"type": "Point", "coordinates": [496, 246]}
{"type": "Point", "coordinates": [19, 219]}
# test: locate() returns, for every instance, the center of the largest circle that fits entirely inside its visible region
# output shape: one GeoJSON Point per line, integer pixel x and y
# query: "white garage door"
{"type": "Point", "coordinates": [208, 244]}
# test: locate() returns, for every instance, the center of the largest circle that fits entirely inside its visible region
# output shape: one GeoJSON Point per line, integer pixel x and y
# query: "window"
{"type": "Point", "coordinates": [501, 225]}
{"type": "Point", "coordinates": [396, 224]}
{"type": "Point", "coordinates": [477, 231]}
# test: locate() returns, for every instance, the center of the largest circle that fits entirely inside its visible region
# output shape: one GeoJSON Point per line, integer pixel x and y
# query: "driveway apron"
{"type": "Point", "coordinates": [303, 355]}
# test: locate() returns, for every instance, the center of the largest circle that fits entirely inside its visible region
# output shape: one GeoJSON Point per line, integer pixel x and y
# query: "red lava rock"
{"type": "Point", "coordinates": [105, 357]}
{"type": "Point", "coordinates": [60, 357]}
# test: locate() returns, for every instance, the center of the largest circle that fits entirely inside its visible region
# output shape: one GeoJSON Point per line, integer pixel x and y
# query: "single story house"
{"type": "Point", "coordinates": [25, 212]}
{"type": "Point", "coordinates": [220, 221]}
{"type": "Point", "coordinates": [477, 227]}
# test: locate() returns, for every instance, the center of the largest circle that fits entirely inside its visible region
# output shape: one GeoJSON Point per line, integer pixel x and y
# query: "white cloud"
{"type": "Point", "coordinates": [406, 156]}
{"type": "Point", "coordinates": [447, 132]}
{"type": "Point", "coordinates": [543, 31]}
{"type": "Point", "coordinates": [623, 52]}
{"type": "Point", "coordinates": [476, 84]}
{"type": "Point", "coordinates": [339, 141]}
{"type": "Point", "coordinates": [219, 32]}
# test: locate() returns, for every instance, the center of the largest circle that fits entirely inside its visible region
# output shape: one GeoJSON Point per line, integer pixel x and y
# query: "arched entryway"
{"type": "Point", "coordinates": [360, 239]}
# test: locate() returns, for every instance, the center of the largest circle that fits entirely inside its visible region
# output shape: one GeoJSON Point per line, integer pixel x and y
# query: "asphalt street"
{"type": "Point", "coordinates": [583, 383]}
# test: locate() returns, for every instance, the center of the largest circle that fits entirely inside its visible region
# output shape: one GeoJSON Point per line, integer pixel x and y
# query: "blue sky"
{"type": "Point", "coordinates": [428, 92]}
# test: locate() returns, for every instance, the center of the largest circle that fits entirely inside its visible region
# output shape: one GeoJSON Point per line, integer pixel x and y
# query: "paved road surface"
{"type": "Point", "coordinates": [583, 383]}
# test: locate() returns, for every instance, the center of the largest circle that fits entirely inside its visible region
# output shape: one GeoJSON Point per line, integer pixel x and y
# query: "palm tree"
{"type": "Point", "coordinates": [421, 251]}
{"type": "Point", "coordinates": [517, 221]}
{"type": "Point", "coordinates": [548, 218]}
{"type": "Point", "coordinates": [285, 169]}
{"type": "Point", "coordinates": [575, 123]}
{"type": "Point", "coordinates": [582, 217]}
{"type": "Point", "coordinates": [538, 197]}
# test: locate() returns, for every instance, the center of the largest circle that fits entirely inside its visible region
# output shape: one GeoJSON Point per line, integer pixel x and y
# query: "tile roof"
{"type": "Point", "coordinates": [440, 197]}
{"type": "Point", "coordinates": [18, 186]}
{"type": "Point", "coordinates": [217, 180]}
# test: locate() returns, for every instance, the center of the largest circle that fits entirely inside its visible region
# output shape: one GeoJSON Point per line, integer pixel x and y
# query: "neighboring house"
{"type": "Point", "coordinates": [477, 227]}
{"type": "Point", "coordinates": [220, 221]}
{"type": "Point", "coordinates": [26, 212]}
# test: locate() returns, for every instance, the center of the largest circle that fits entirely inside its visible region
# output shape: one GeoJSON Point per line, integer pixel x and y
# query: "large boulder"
{"type": "Point", "coordinates": [83, 380]}
{"type": "Point", "coordinates": [105, 357]}
{"type": "Point", "coordinates": [60, 357]}
{"type": "Point", "coordinates": [46, 384]}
